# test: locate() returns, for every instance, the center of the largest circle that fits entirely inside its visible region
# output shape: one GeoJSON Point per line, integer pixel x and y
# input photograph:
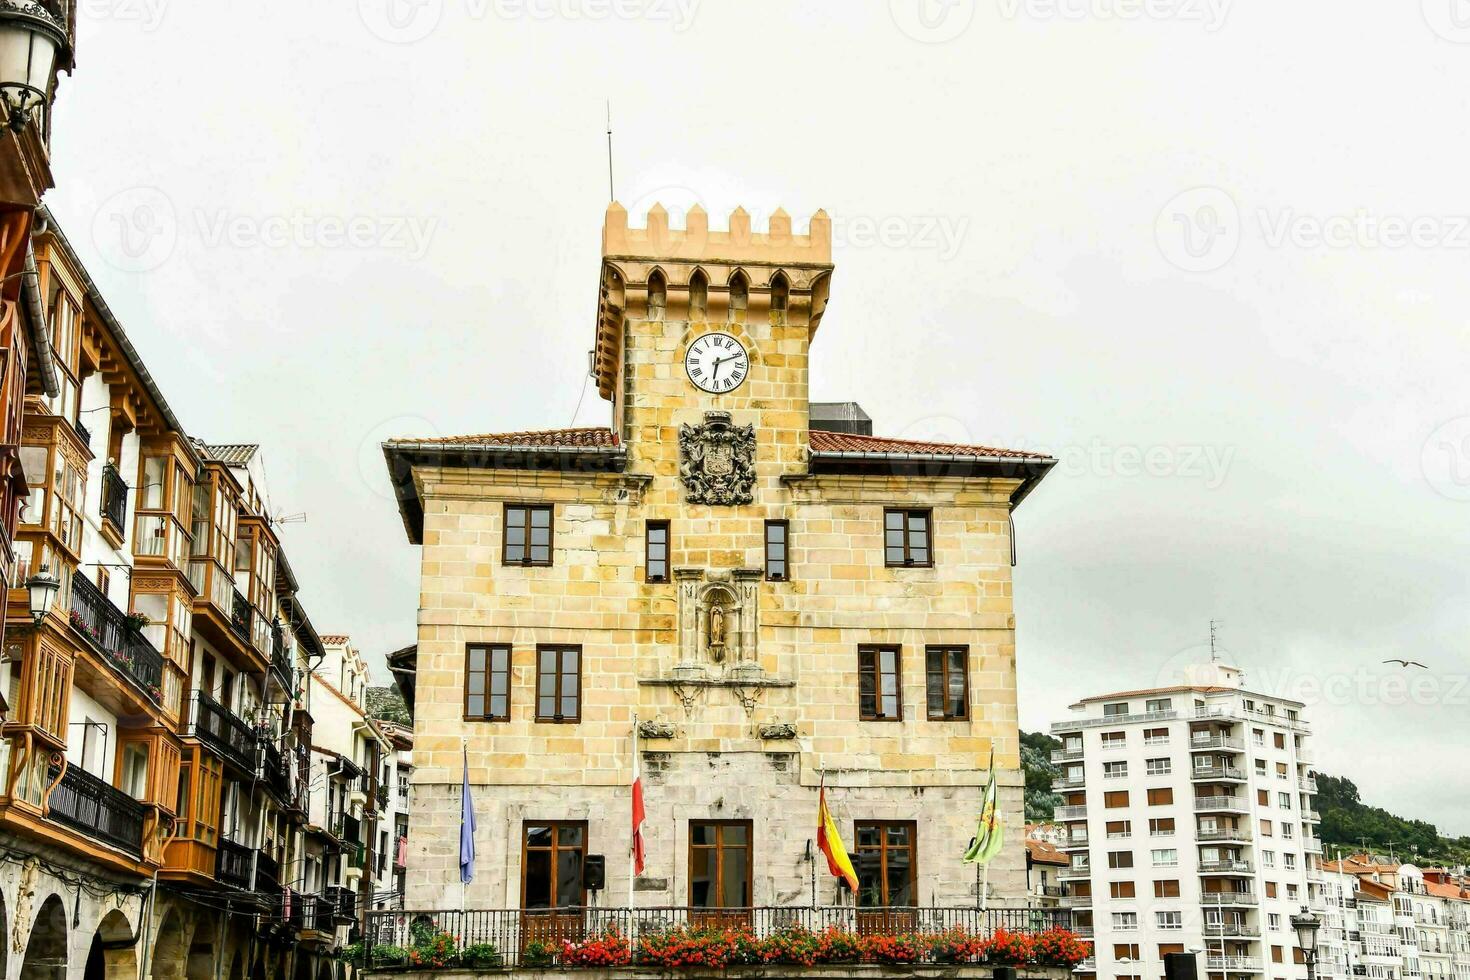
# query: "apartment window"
{"type": "Point", "coordinates": [1278, 954]}
{"type": "Point", "coordinates": [1125, 921]}
{"type": "Point", "coordinates": [778, 534]}
{"type": "Point", "coordinates": [1165, 857]}
{"type": "Point", "coordinates": [1156, 736]}
{"type": "Point", "coordinates": [1283, 800]}
{"type": "Point", "coordinates": [1258, 736]}
{"type": "Point", "coordinates": [1263, 797]}
{"type": "Point", "coordinates": [551, 865]}
{"type": "Point", "coordinates": [1268, 859]}
{"type": "Point", "coordinates": [1126, 951]}
{"type": "Point", "coordinates": [1120, 859]}
{"type": "Point", "coordinates": [1115, 799]}
{"type": "Point", "coordinates": [1161, 827]}
{"type": "Point", "coordinates": [527, 535]}
{"type": "Point", "coordinates": [719, 864]}
{"type": "Point", "coordinates": [1166, 888]}
{"type": "Point", "coordinates": [907, 538]}
{"type": "Point", "coordinates": [1115, 710]}
{"type": "Point", "coordinates": [1270, 889]}
{"type": "Point", "coordinates": [487, 682]}
{"type": "Point", "coordinates": [1154, 705]}
{"type": "Point", "coordinates": [885, 865]}
{"type": "Point", "coordinates": [1273, 920]}
{"type": "Point", "coordinates": [1288, 861]}
{"type": "Point", "coordinates": [656, 551]}
{"type": "Point", "coordinates": [1160, 796]}
{"type": "Point", "coordinates": [1170, 920]}
{"type": "Point", "coordinates": [1291, 892]}
{"type": "Point", "coordinates": [1281, 770]}
{"type": "Point", "coordinates": [1166, 949]}
{"type": "Point", "coordinates": [1158, 767]}
{"type": "Point", "coordinates": [1119, 828]}
{"type": "Point", "coordinates": [1260, 767]}
{"type": "Point", "coordinates": [1121, 889]}
{"type": "Point", "coordinates": [1114, 740]}
{"type": "Point", "coordinates": [558, 684]}
{"type": "Point", "coordinates": [1279, 739]}
{"type": "Point", "coordinates": [1115, 770]}
{"type": "Point", "coordinates": [1287, 831]}
{"type": "Point", "coordinates": [947, 680]}
{"type": "Point", "coordinates": [1267, 829]}
{"type": "Point", "coordinates": [880, 695]}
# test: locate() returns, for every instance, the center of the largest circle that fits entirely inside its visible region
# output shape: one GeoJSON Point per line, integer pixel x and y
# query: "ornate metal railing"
{"type": "Point", "coordinates": [343, 901]}
{"type": "Point", "coordinates": [240, 613]}
{"type": "Point", "coordinates": [84, 802]}
{"type": "Point", "coordinates": [323, 913]}
{"type": "Point", "coordinates": [267, 874]}
{"type": "Point", "coordinates": [509, 931]}
{"type": "Point", "coordinates": [219, 727]}
{"type": "Point", "coordinates": [126, 650]}
{"type": "Point", "coordinates": [83, 433]}
{"type": "Point", "coordinates": [232, 863]}
{"type": "Point", "coordinates": [114, 497]}
{"type": "Point", "coordinates": [280, 658]}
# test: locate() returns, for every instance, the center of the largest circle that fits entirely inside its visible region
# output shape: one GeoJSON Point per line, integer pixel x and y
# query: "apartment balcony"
{"type": "Point", "coordinates": [1217, 743]}
{"type": "Point", "coordinates": [343, 901]}
{"type": "Point", "coordinates": [1217, 774]}
{"type": "Point", "coordinates": [267, 874]}
{"type": "Point", "coordinates": [1075, 901]}
{"type": "Point", "coordinates": [1219, 804]}
{"type": "Point", "coordinates": [115, 500]}
{"type": "Point", "coordinates": [1066, 755]}
{"type": "Point", "coordinates": [299, 913]}
{"type": "Point", "coordinates": [123, 649]}
{"type": "Point", "coordinates": [281, 667]}
{"type": "Point", "coordinates": [1307, 785]}
{"type": "Point", "coordinates": [323, 913]}
{"type": "Point", "coordinates": [97, 810]}
{"type": "Point", "coordinates": [1311, 816]}
{"type": "Point", "coordinates": [1074, 873]}
{"type": "Point", "coordinates": [1314, 873]}
{"type": "Point", "coordinates": [1083, 932]}
{"type": "Point", "coordinates": [1232, 929]}
{"type": "Point", "coordinates": [1215, 899]}
{"type": "Point", "coordinates": [382, 797]}
{"type": "Point", "coordinates": [1064, 783]}
{"type": "Point", "coordinates": [279, 774]}
{"type": "Point", "coordinates": [1312, 845]}
{"type": "Point", "coordinates": [1089, 965]}
{"type": "Point", "coordinates": [1076, 724]}
{"type": "Point", "coordinates": [1064, 813]}
{"type": "Point", "coordinates": [1237, 835]}
{"type": "Point", "coordinates": [222, 730]}
{"type": "Point", "coordinates": [1233, 964]}
{"type": "Point", "coordinates": [1074, 843]}
{"type": "Point", "coordinates": [1228, 867]}
{"type": "Point", "coordinates": [232, 863]}
{"type": "Point", "coordinates": [241, 615]}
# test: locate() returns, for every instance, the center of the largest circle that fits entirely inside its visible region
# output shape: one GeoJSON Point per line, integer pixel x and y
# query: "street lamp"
{"type": "Point", "coordinates": [31, 37]}
{"type": "Point", "coordinates": [1306, 925]}
{"type": "Point", "coordinates": [42, 588]}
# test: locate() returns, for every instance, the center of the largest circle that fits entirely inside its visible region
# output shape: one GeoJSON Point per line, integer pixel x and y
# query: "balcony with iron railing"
{"type": "Point", "coordinates": [267, 874]}
{"type": "Point", "coordinates": [1233, 964]}
{"type": "Point", "coordinates": [98, 810]}
{"type": "Point", "coordinates": [344, 902]}
{"type": "Point", "coordinates": [1068, 782]}
{"type": "Point", "coordinates": [1242, 834]}
{"type": "Point", "coordinates": [1066, 755]}
{"type": "Point", "coordinates": [232, 863]}
{"type": "Point", "coordinates": [1208, 804]}
{"type": "Point", "coordinates": [1211, 774]}
{"type": "Point", "coordinates": [281, 658]}
{"type": "Point", "coordinates": [224, 731]}
{"type": "Point", "coordinates": [1232, 929]}
{"type": "Point", "coordinates": [114, 499]}
{"type": "Point", "coordinates": [1217, 743]}
{"type": "Point", "coordinates": [1208, 899]}
{"type": "Point", "coordinates": [1100, 720]}
{"type": "Point", "coordinates": [1074, 872]}
{"type": "Point", "coordinates": [240, 617]}
{"type": "Point", "coordinates": [1229, 866]}
{"type": "Point", "coordinates": [83, 433]}
{"type": "Point", "coordinates": [1074, 842]}
{"type": "Point", "coordinates": [1064, 813]}
{"type": "Point", "coordinates": [124, 649]}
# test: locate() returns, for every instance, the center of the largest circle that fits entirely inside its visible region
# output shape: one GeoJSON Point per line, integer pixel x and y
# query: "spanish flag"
{"type": "Point", "coordinates": [829, 841]}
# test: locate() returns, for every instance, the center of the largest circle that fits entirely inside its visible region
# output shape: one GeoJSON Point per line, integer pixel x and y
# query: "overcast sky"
{"type": "Point", "coordinates": [1212, 255]}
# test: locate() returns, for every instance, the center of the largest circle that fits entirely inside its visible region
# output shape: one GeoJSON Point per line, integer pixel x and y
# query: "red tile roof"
{"type": "Point", "coordinates": [334, 639]}
{"type": "Point", "coordinates": [595, 438]}
{"type": "Point", "coordinates": [1177, 689]}
{"type": "Point", "coordinates": [1045, 852]}
{"type": "Point", "coordinates": [843, 442]}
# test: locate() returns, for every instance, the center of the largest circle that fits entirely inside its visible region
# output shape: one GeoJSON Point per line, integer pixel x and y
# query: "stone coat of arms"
{"type": "Point", "coordinates": [717, 461]}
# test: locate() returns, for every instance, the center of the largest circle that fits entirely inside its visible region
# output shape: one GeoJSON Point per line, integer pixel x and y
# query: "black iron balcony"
{"type": "Point", "coordinates": [323, 913]}
{"type": "Point", "coordinates": [221, 729]}
{"type": "Point", "coordinates": [102, 812]}
{"type": "Point", "coordinates": [124, 649]}
{"type": "Point", "coordinates": [382, 798]}
{"type": "Point", "coordinates": [240, 615]}
{"type": "Point", "coordinates": [114, 498]}
{"type": "Point", "coordinates": [298, 915]}
{"type": "Point", "coordinates": [280, 658]}
{"type": "Point", "coordinates": [344, 902]}
{"type": "Point", "coordinates": [232, 863]}
{"type": "Point", "coordinates": [267, 874]}
{"type": "Point", "coordinates": [83, 433]}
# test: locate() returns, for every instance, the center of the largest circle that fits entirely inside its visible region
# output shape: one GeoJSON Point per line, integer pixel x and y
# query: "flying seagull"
{"type": "Point", "coordinates": [1406, 663]}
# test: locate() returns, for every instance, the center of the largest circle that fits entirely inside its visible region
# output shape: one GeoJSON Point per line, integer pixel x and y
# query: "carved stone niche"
{"type": "Point", "coordinates": [719, 619]}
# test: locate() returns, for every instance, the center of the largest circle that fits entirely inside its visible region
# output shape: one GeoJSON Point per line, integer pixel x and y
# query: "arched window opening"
{"type": "Point", "coordinates": [698, 295]}
{"type": "Point", "coordinates": [658, 290]}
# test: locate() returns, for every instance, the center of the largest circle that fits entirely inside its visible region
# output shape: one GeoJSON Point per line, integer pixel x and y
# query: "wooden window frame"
{"type": "Point", "coordinates": [489, 650]}
{"type": "Point", "coordinates": [785, 574]}
{"type": "Point", "coordinates": [555, 848]}
{"type": "Point", "coordinates": [909, 513]}
{"type": "Point", "coordinates": [883, 849]}
{"type": "Point", "coordinates": [719, 848]}
{"type": "Point", "coordinates": [649, 527]}
{"type": "Point", "coordinates": [527, 561]}
{"type": "Point", "coordinates": [944, 672]}
{"type": "Point", "coordinates": [559, 650]}
{"type": "Point", "coordinates": [875, 650]}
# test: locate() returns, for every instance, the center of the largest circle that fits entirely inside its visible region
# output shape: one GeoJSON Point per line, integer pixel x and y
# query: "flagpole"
{"type": "Point", "coordinates": [632, 855]}
{"type": "Point", "coordinates": [464, 755]}
{"type": "Point", "coordinates": [821, 788]}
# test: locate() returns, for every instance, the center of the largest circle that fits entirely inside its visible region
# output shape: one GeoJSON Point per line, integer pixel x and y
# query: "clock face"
{"type": "Point", "coordinates": [716, 363]}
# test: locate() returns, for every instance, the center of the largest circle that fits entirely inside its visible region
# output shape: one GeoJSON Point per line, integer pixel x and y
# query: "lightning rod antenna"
{"type": "Point", "coordinates": [611, 195]}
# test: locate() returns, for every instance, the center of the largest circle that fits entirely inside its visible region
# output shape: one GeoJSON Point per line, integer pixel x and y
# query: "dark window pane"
{"type": "Point", "coordinates": [538, 879]}
{"type": "Point", "coordinates": [702, 875]}
{"type": "Point", "coordinates": [568, 879]}
{"type": "Point", "coordinates": [735, 895]}
{"type": "Point", "coordinates": [702, 835]}
{"type": "Point", "coordinates": [569, 836]}
{"type": "Point", "coordinates": [735, 834]}
{"type": "Point", "coordinates": [900, 882]}
{"type": "Point", "coordinates": [897, 834]}
{"type": "Point", "coordinates": [934, 693]}
{"type": "Point", "coordinates": [538, 836]}
{"type": "Point", "coordinates": [869, 868]}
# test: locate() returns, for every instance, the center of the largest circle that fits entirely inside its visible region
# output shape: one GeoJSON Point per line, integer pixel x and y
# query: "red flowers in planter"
{"type": "Point", "coordinates": [609, 949]}
{"type": "Point", "coordinates": [1057, 947]}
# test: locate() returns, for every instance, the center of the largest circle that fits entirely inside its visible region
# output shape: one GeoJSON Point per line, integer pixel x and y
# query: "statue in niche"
{"type": "Point", "coordinates": [717, 632]}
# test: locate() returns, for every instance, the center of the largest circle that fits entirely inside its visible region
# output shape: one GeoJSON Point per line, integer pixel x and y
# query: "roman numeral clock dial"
{"type": "Point", "coordinates": [716, 363]}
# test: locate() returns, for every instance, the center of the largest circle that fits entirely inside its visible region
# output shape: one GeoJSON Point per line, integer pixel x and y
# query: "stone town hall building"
{"type": "Point", "coordinates": [773, 601]}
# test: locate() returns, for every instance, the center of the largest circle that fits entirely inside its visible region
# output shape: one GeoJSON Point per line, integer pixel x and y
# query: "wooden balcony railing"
{"type": "Point", "coordinates": [220, 728]}
{"type": "Point", "coordinates": [114, 498]}
{"type": "Point", "coordinates": [232, 863]}
{"type": "Point", "coordinates": [102, 812]}
{"type": "Point", "coordinates": [124, 649]}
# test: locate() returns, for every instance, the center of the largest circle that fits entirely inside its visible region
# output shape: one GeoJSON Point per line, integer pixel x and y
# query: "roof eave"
{"type": "Point", "coordinates": [1031, 469]}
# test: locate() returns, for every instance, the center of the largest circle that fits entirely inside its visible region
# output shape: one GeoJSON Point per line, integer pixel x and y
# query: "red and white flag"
{"type": "Point", "coordinates": [637, 806]}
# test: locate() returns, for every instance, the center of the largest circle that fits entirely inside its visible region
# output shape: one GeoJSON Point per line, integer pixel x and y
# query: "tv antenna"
{"type": "Point", "coordinates": [1214, 631]}
{"type": "Point", "coordinates": [610, 195]}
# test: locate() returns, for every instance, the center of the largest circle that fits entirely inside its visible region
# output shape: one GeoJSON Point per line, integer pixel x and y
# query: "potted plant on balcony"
{"type": "Point", "coordinates": [135, 622]}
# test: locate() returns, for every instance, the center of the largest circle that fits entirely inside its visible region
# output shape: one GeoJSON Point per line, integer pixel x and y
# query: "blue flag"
{"type": "Point", "coordinates": [466, 827]}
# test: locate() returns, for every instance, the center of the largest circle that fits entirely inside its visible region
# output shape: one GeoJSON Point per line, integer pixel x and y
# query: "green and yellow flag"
{"type": "Point", "coordinates": [988, 835]}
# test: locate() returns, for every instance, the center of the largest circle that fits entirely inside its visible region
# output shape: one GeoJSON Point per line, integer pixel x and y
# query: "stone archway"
{"type": "Point", "coordinates": [167, 958]}
{"type": "Point", "coordinates": [199, 964]}
{"type": "Point", "coordinates": [257, 972]}
{"type": "Point", "coordinates": [45, 956]}
{"type": "Point", "coordinates": [109, 959]}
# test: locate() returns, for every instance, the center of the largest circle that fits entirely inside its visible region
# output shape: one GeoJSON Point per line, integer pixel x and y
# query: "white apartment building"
{"type": "Point", "coordinates": [1391, 921]}
{"type": "Point", "coordinates": [1189, 827]}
